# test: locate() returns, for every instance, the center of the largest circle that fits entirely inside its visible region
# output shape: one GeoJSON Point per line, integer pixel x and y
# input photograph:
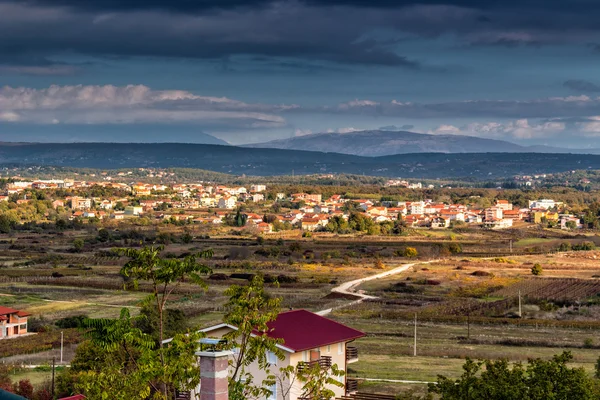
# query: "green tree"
{"type": "Point", "coordinates": [337, 224]}
{"type": "Point", "coordinates": [6, 223]}
{"type": "Point", "coordinates": [78, 244]}
{"type": "Point", "coordinates": [571, 225]}
{"type": "Point", "coordinates": [131, 365]}
{"type": "Point", "coordinates": [540, 379]}
{"type": "Point", "coordinates": [537, 269]}
{"type": "Point", "coordinates": [316, 381]}
{"type": "Point", "coordinates": [251, 308]}
{"type": "Point", "coordinates": [164, 275]}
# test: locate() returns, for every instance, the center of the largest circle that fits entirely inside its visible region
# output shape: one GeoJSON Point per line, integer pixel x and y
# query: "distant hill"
{"type": "Point", "coordinates": [267, 162]}
{"type": "Point", "coordinates": [383, 143]}
{"type": "Point", "coordinates": [115, 133]}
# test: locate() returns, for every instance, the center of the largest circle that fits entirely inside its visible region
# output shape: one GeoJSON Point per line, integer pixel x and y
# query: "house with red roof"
{"type": "Point", "coordinates": [13, 322]}
{"type": "Point", "coordinates": [306, 339]}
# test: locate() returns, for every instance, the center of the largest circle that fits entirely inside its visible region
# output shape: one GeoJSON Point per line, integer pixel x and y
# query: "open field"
{"type": "Point", "coordinates": [466, 304]}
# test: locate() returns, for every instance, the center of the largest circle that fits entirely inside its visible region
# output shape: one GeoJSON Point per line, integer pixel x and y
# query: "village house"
{"type": "Point", "coordinates": [257, 188]}
{"type": "Point", "coordinates": [544, 204]}
{"type": "Point", "coordinates": [493, 213]}
{"type": "Point", "coordinates": [80, 203]}
{"type": "Point", "coordinates": [307, 339]}
{"type": "Point", "coordinates": [227, 202]}
{"type": "Point", "coordinates": [13, 322]}
{"type": "Point", "coordinates": [417, 208]}
{"type": "Point", "coordinates": [566, 220]}
{"type": "Point", "coordinates": [132, 211]}
{"type": "Point", "coordinates": [377, 211]}
{"type": "Point", "coordinates": [497, 223]}
{"type": "Point", "coordinates": [504, 205]}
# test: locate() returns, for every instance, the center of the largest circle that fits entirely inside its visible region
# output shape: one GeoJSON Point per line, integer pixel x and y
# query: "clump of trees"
{"type": "Point", "coordinates": [499, 380]}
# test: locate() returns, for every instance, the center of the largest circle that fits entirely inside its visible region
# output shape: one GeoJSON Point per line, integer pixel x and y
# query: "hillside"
{"type": "Point", "coordinates": [382, 143]}
{"type": "Point", "coordinates": [268, 162]}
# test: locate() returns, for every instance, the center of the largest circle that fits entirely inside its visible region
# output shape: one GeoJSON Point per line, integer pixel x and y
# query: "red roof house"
{"type": "Point", "coordinates": [12, 322]}
{"type": "Point", "coordinates": [307, 339]}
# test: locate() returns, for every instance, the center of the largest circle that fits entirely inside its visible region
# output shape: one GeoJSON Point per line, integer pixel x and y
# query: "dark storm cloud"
{"type": "Point", "coordinates": [581, 86]}
{"type": "Point", "coordinates": [289, 30]}
{"type": "Point", "coordinates": [335, 31]}
{"type": "Point", "coordinates": [201, 5]}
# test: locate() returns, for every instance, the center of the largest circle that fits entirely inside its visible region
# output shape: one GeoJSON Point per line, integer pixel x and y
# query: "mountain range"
{"type": "Point", "coordinates": [267, 162]}
{"type": "Point", "coordinates": [376, 143]}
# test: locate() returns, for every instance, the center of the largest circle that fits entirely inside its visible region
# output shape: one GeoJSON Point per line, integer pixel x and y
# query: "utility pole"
{"type": "Point", "coordinates": [510, 245]}
{"type": "Point", "coordinates": [520, 311]}
{"type": "Point", "coordinates": [61, 346]}
{"type": "Point", "coordinates": [415, 345]}
{"type": "Point", "coordinates": [468, 325]}
{"type": "Point", "coordinates": [53, 363]}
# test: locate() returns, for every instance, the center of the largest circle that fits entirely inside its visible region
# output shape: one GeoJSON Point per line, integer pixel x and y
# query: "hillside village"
{"type": "Point", "coordinates": [216, 204]}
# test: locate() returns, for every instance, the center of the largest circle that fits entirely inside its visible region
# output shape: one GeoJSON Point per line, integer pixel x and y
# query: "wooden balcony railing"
{"type": "Point", "coordinates": [351, 385]}
{"type": "Point", "coordinates": [324, 362]}
{"type": "Point", "coordinates": [351, 353]}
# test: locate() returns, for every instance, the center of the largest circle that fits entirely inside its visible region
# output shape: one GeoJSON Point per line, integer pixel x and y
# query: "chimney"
{"type": "Point", "coordinates": [214, 369]}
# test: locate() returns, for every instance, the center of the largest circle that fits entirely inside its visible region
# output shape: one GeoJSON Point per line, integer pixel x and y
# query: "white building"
{"type": "Point", "coordinates": [228, 202]}
{"type": "Point", "coordinates": [417, 208]}
{"type": "Point", "coordinates": [543, 203]}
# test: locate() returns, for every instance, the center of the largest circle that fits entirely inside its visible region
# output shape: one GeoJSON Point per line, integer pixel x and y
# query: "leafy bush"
{"type": "Point", "coordinates": [74, 321]}
{"type": "Point", "coordinates": [537, 270]}
{"type": "Point", "coordinates": [410, 252]}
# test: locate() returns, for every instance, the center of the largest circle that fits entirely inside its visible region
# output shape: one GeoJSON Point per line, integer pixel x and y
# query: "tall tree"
{"type": "Point", "coordinates": [164, 275]}
{"type": "Point", "coordinates": [251, 308]}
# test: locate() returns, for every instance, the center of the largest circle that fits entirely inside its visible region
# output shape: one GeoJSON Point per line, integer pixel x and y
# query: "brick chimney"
{"type": "Point", "coordinates": [214, 369]}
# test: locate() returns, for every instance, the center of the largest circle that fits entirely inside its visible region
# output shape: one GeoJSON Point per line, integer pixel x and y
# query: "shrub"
{"type": "Point", "coordinates": [75, 321]}
{"type": "Point", "coordinates": [537, 269]}
{"type": "Point", "coordinates": [454, 248]}
{"type": "Point", "coordinates": [410, 252]}
{"type": "Point", "coordinates": [588, 343]}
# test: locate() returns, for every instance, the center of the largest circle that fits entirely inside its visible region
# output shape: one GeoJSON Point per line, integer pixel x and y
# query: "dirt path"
{"type": "Point", "coordinates": [349, 287]}
{"type": "Point", "coordinates": [73, 301]}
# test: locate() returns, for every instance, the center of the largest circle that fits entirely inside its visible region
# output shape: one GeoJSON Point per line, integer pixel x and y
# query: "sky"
{"type": "Point", "coordinates": [526, 71]}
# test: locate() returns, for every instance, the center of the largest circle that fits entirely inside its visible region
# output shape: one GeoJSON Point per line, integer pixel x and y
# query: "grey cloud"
{"type": "Point", "coordinates": [332, 31]}
{"type": "Point", "coordinates": [132, 104]}
{"type": "Point", "coordinates": [581, 86]}
{"type": "Point", "coordinates": [571, 106]}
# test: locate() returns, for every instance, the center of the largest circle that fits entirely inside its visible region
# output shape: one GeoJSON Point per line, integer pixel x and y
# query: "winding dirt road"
{"type": "Point", "coordinates": [349, 287]}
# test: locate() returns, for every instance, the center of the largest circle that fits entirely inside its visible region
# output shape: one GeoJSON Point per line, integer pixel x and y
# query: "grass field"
{"type": "Point", "coordinates": [51, 281]}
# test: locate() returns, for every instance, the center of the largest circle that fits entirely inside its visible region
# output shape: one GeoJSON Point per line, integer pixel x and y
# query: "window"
{"type": "Point", "coordinates": [329, 348]}
{"type": "Point", "coordinates": [305, 356]}
{"type": "Point", "coordinates": [23, 326]}
{"type": "Point", "coordinates": [273, 389]}
{"type": "Point", "coordinates": [340, 348]}
{"type": "Point", "coordinates": [271, 358]}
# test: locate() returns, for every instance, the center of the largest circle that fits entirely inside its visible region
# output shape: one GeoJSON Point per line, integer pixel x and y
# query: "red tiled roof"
{"type": "Point", "coordinates": [304, 330]}
{"type": "Point", "coordinates": [7, 310]}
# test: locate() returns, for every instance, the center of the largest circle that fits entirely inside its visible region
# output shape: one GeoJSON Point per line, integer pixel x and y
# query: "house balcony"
{"type": "Point", "coordinates": [351, 386]}
{"type": "Point", "coordinates": [324, 362]}
{"type": "Point", "coordinates": [351, 354]}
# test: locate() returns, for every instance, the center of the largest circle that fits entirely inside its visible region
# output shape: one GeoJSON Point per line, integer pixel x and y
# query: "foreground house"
{"type": "Point", "coordinates": [13, 322]}
{"type": "Point", "coordinates": [308, 339]}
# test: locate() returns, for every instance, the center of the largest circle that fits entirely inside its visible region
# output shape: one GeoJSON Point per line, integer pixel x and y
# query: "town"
{"type": "Point", "coordinates": [269, 212]}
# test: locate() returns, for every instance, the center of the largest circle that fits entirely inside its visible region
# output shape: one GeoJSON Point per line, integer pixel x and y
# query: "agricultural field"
{"type": "Point", "coordinates": [465, 297]}
{"type": "Point", "coordinates": [468, 307]}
